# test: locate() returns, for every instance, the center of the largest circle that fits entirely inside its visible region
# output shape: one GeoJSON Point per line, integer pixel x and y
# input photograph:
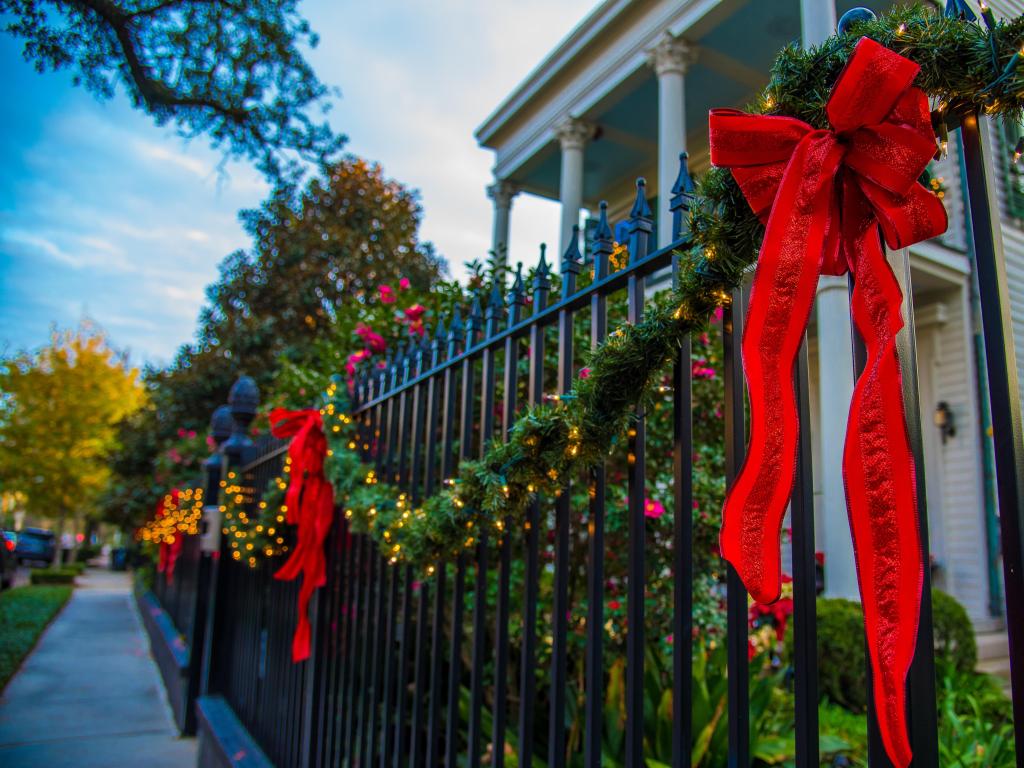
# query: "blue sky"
{"type": "Point", "coordinates": [105, 215]}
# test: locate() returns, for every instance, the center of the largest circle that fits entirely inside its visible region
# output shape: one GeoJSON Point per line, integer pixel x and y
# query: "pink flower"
{"type": "Point", "coordinates": [374, 341]}
{"type": "Point", "coordinates": [718, 314]}
{"type": "Point", "coordinates": [354, 359]}
{"type": "Point", "coordinates": [387, 294]}
{"type": "Point", "coordinates": [381, 365]}
{"type": "Point", "coordinates": [181, 432]}
{"type": "Point", "coordinates": [415, 313]}
{"type": "Point", "coordinates": [191, 434]}
{"type": "Point", "coordinates": [403, 284]}
{"type": "Point", "coordinates": [210, 442]}
{"type": "Point", "coordinates": [653, 508]}
{"type": "Point", "coordinates": [584, 373]}
{"type": "Point", "coordinates": [701, 370]}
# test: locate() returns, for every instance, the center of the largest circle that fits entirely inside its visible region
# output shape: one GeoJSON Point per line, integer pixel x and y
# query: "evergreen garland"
{"type": "Point", "coordinates": [965, 67]}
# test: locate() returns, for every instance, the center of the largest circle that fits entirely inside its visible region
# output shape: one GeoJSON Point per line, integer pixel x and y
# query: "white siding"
{"type": "Point", "coordinates": [956, 502]}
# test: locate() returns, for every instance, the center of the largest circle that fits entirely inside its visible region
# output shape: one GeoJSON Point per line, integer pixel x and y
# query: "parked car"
{"type": "Point", "coordinates": [8, 561]}
{"type": "Point", "coordinates": [35, 545]}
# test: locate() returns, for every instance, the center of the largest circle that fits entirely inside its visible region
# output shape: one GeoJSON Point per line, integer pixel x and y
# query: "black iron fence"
{"type": "Point", "coordinates": [508, 656]}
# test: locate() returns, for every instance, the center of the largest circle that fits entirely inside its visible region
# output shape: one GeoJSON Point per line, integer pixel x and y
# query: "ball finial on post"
{"type": "Point", "coordinates": [855, 16]}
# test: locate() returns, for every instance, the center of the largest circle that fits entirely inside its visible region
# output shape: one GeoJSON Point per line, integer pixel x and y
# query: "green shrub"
{"type": "Point", "coordinates": [54, 576]}
{"type": "Point", "coordinates": [87, 552]}
{"type": "Point", "coordinates": [24, 614]}
{"type": "Point", "coordinates": [841, 650]}
{"type": "Point", "coordinates": [841, 659]}
{"type": "Point", "coordinates": [954, 635]}
{"type": "Point", "coordinates": [78, 567]}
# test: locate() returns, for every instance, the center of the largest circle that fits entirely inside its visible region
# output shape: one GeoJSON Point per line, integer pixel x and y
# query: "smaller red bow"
{"type": "Point", "coordinates": [310, 503]}
{"type": "Point", "coordinates": [169, 551]}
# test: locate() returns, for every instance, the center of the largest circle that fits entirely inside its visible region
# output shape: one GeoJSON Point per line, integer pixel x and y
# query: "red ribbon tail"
{"type": "Point", "coordinates": [878, 467]}
{"type": "Point", "coordinates": [780, 304]}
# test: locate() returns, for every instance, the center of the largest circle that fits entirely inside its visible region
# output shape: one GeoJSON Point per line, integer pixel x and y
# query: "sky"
{"type": "Point", "coordinates": [105, 215]}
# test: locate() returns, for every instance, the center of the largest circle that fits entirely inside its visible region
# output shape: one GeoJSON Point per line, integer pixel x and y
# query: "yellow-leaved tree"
{"type": "Point", "coordinates": [59, 408]}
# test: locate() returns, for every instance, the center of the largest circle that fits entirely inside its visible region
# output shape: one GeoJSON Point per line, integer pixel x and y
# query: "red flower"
{"type": "Point", "coordinates": [415, 312]}
{"type": "Point", "coordinates": [387, 294]}
{"type": "Point", "coordinates": [584, 373]}
{"type": "Point", "coordinates": [653, 508]}
{"type": "Point", "coordinates": [374, 341]}
{"type": "Point", "coordinates": [354, 359]}
{"type": "Point", "coordinates": [614, 605]}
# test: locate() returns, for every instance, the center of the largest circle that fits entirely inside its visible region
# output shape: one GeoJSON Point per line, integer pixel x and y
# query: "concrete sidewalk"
{"type": "Point", "coordinates": [90, 694]}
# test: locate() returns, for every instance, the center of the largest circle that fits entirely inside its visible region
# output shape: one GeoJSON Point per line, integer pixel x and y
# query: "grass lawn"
{"type": "Point", "coordinates": [24, 614]}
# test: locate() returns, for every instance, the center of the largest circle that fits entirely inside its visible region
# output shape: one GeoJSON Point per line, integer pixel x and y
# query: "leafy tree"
{"type": "Point", "coordinates": [316, 254]}
{"type": "Point", "coordinates": [59, 410]}
{"type": "Point", "coordinates": [231, 70]}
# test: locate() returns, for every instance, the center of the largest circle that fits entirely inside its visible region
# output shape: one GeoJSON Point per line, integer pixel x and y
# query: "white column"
{"type": "Point", "coordinates": [818, 19]}
{"type": "Point", "coordinates": [501, 192]}
{"type": "Point", "coordinates": [835, 380]}
{"type": "Point", "coordinates": [835, 384]}
{"type": "Point", "coordinates": [670, 58]}
{"type": "Point", "coordinates": [572, 135]}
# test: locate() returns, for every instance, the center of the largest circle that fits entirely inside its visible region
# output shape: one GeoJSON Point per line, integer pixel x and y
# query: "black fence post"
{"type": "Point", "coordinates": [1004, 398]}
{"type": "Point", "coordinates": [209, 531]}
{"type": "Point", "coordinates": [237, 451]}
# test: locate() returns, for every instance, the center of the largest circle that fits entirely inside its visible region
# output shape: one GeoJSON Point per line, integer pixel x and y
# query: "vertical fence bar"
{"type": "Point", "coordinates": [805, 626]}
{"type": "Point", "coordinates": [369, 648]}
{"type": "Point", "coordinates": [570, 268]}
{"type": "Point", "coordinates": [736, 599]}
{"type": "Point", "coordinates": [495, 313]}
{"type": "Point", "coordinates": [387, 721]}
{"type": "Point", "coordinates": [604, 246]}
{"type": "Point", "coordinates": [924, 727]}
{"type": "Point", "coordinates": [416, 738]}
{"type": "Point", "coordinates": [516, 300]}
{"type": "Point", "coordinates": [458, 591]}
{"type": "Point", "coordinates": [405, 638]}
{"type": "Point", "coordinates": [527, 680]}
{"type": "Point", "coordinates": [437, 630]}
{"type": "Point", "coordinates": [1004, 399]}
{"type": "Point", "coordinates": [352, 669]}
{"type": "Point", "coordinates": [414, 486]}
{"type": "Point", "coordinates": [682, 474]}
{"type": "Point", "coordinates": [381, 630]}
{"type": "Point", "coordinates": [640, 227]}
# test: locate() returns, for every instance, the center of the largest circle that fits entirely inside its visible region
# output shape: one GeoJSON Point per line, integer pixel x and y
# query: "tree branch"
{"type": "Point", "coordinates": [154, 92]}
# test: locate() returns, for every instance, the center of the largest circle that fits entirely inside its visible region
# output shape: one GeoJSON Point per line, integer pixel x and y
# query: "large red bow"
{"type": "Point", "coordinates": [823, 194]}
{"type": "Point", "coordinates": [310, 502]}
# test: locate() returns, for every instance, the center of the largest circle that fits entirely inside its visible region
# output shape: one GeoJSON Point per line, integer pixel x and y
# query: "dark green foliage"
{"type": "Point", "coordinates": [315, 250]}
{"type": "Point", "coordinates": [54, 576]}
{"type": "Point", "coordinates": [24, 614]}
{"type": "Point", "coordinates": [954, 634]}
{"type": "Point", "coordinates": [841, 661]}
{"type": "Point", "coordinates": [232, 71]}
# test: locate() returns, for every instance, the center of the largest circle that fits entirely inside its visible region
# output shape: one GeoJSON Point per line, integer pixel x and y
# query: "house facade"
{"type": "Point", "coordinates": [628, 90]}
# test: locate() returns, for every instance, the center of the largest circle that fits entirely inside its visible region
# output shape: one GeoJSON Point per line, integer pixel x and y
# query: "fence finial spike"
{"type": "Point", "coordinates": [440, 333]}
{"type": "Point", "coordinates": [684, 181]}
{"type": "Point", "coordinates": [572, 255]}
{"type": "Point", "coordinates": [456, 327]}
{"type": "Point", "coordinates": [496, 299]}
{"type": "Point", "coordinates": [542, 267]}
{"type": "Point", "coordinates": [641, 210]}
{"type": "Point", "coordinates": [603, 231]}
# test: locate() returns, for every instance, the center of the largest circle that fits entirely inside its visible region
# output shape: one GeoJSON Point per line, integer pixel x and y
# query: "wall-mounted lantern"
{"type": "Point", "coordinates": [944, 421]}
